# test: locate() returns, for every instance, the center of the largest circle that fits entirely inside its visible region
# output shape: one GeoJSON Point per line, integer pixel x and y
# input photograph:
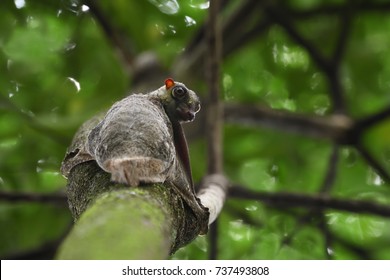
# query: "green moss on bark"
{"type": "Point", "coordinates": [120, 222]}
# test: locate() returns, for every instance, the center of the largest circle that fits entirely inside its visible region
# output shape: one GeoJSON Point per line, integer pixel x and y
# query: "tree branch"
{"type": "Point", "coordinates": [334, 127]}
{"type": "Point", "coordinates": [213, 241]}
{"type": "Point", "coordinates": [198, 39]}
{"type": "Point", "coordinates": [341, 43]}
{"type": "Point", "coordinates": [325, 189]}
{"type": "Point", "coordinates": [311, 201]}
{"type": "Point", "coordinates": [331, 173]}
{"type": "Point", "coordinates": [243, 38]}
{"type": "Point", "coordinates": [55, 198]}
{"type": "Point", "coordinates": [214, 110]}
{"type": "Point", "coordinates": [113, 226]}
{"type": "Point", "coordinates": [363, 253]}
{"type": "Point", "coordinates": [245, 20]}
{"type": "Point", "coordinates": [242, 25]}
{"type": "Point", "coordinates": [216, 192]}
{"type": "Point", "coordinates": [112, 216]}
{"type": "Point", "coordinates": [117, 39]}
{"type": "Point", "coordinates": [283, 19]}
{"type": "Point", "coordinates": [385, 176]}
{"type": "Point", "coordinates": [327, 66]}
{"type": "Point", "coordinates": [196, 49]}
{"type": "Point", "coordinates": [213, 193]}
{"type": "Point", "coordinates": [328, 238]}
{"type": "Point", "coordinates": [338, 128]}
{"type": "Point", "coordinates": [373, 119]}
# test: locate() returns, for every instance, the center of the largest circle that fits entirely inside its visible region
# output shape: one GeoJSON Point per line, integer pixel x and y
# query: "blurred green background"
{"type": "Point", "coordinates": [58, 68]}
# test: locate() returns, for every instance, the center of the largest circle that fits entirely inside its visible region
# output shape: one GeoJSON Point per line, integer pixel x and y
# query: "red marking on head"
{"type": "Point", "coordinates": [169, 83]}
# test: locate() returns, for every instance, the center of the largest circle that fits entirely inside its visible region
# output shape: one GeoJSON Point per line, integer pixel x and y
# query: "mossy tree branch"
{"type": "Point", "coordinates": [121, 222]}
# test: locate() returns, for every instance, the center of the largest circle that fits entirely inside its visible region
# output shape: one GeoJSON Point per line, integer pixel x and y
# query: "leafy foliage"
{"type": "Point", "coordinates": [58, 68]}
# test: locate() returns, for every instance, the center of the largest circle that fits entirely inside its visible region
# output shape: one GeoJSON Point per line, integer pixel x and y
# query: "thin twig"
{"type": "Point", "coordinates": [325, 189]}
{"type": "Point", "coordinates": [301, 222]}
{"type": "Point", "coordinates": [336, 88]}
{"type": "Point", "coordinates": [282, 18]}
{"type": "Point", "coordinates": [385, 176]}
{"type": "Point", "coordinates": [243, 38]}
{"type": "Point", "coordinates": [330, 176]}
{"type": "Point", "coordinates": [117, 39]}
{"type": "Point", "coordinates": [213, 241]}
{"type": "Point", "coordinates": [198, 39]}
{"type": "Point", "coordinates": [341, 43]}
{"type": "Point", "coordinates": [56, 198]}
{"type": "Point", "coordinates": [334, 127]}
{"type": "Point", "coordinates": [243, 25]}
{"type": "Point", "coordinates": [311, 201]}
{"type": "Point", "coordinates": [328, 238]}
{"type": "Point", "coordinates": [214, 111]}
{"type": "Point", "coordinates": [247, 25]}
{"type": "Point", "coordinates": [362, 253]}
{"type": "Point", "coordinates": [327, 66]}
{"type": "Point", "coordinates": [195, 50]}
{"type": "Point", "coordinates": [373, 119]}
{"type": "Point", "coordinates": [238, 21]}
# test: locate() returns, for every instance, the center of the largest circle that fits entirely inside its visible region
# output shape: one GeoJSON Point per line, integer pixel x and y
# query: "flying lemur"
{"type": "Point", "coordinates": [140, 140]}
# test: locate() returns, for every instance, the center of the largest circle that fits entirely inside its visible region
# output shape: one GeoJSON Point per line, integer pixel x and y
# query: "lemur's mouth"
{"type": "Point", "coordinates": [185, 114]}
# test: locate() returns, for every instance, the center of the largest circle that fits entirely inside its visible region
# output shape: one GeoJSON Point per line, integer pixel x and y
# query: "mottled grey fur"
{"type": "Point", "coordinates": [137, 144]}
{"type": "Point", "coordinates": [133, 142]}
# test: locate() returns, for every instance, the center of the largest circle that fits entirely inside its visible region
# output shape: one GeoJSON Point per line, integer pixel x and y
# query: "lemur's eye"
{"type": "Point", "coordinates": [179, 92]}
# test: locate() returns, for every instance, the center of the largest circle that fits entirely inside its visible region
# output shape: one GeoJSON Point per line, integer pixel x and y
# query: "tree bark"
{"type": "Point", "coordinates": [120, 222]}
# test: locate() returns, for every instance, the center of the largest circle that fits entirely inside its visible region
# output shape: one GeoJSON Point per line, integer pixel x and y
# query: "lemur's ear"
{"type": "Point", "coordinates": [169, 83]}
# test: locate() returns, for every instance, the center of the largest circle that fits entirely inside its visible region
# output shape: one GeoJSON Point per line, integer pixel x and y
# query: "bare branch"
{"type": "Point", "coordinates": [328, 238]}
{"type": "Point", "coordinates": [385, 176]}
{"type": "Point", "coordinates": [301, 222]}
{"type": "Point", "coordinates": [361, 252]}
{"type": "Point", "coordinates": [243, 38]}
{"type": "Point", "coordinates": [334, 127]}
{"type": "Point", "coordinates": [214, 121]}
{"type": "Point", "coordinates": [239, 27]}
{"type": "Point", "coordinates": [325, 189]}
{"type": "Point", "coordinates": [117, 39]}
{"type": "Point", "coordinates": [214, 111]}
{"type": "Point", "coordinates": [239, 20]}
{"type": "Point", "coordinates": [212, 194]}
{"type": "Point", "coordinates": [328, 67]}
{"type": "Point", "coordinates": [338, 128]}
{"type": "Point", "coordinates": [56, 198]}
{"type": "Point", "coordinates": [199, 37]}
{"type": "Point", "coordinates": [282, 18]}
{"type": "Point", "coordinates": [373, 119]}
{"type": "Point", "coordinates": [311, 201]}
{"type": "Point", "coordinates": [331, 172]}
{"type": "Point", "coordinates": [341, 43]}
{"type": "Point", "coordinates": [213, 241]}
